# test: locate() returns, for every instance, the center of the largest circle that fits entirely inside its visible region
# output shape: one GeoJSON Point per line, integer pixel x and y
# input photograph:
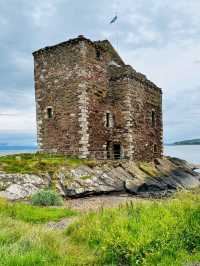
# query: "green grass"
{"type": "Point", "coordinates": [32, 214]}
{"type": "Point", "coordinates": [37, 163]}
{"type": "Point", "coordinates": [22, 244]}
{"type": "Point", "coordinates": [156, 233]}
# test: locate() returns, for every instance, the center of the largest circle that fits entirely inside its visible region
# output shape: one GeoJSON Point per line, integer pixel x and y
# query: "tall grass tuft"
{"type": "Point", "coordinates": [46, 197]}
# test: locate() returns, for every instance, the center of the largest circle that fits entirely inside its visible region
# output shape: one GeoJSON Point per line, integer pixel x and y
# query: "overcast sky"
{"type": "Point", "coordinates": [160, 38]}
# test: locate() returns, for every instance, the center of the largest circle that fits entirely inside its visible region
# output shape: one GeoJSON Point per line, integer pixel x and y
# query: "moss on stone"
{"type": "Point", "coordinates": [37, 163]}
{"type": "Point", "coordinates": [85, 177]}
{"type": "Point", "coordinates": [148, 168]}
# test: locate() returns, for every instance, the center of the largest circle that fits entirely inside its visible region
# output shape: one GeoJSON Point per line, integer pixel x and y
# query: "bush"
{"type": "Point", "coordinates": [46, 198]}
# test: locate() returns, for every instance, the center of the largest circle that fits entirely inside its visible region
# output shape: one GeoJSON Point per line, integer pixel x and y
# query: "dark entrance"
{"type": "Point", "coordinates": [117, 151]}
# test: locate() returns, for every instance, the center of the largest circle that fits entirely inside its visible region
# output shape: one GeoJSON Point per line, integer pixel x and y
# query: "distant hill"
{"type": "Point", "coordinates": [188, 142]}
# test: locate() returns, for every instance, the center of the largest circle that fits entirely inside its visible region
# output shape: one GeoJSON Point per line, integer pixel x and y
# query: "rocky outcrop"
{"type": "Point", "coordinates": [19, 186]}
{"type": "Point", "coordinates": [173, 174]}
{"type": "Point", "coordinates": [157, 179]}
{"type": "Point", "coordinates": [162, 177]}
{"type": "Point", "coordinates": [84, 180]}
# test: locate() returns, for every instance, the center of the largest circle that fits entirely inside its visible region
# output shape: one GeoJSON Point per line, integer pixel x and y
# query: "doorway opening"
{"type": "Point", "coordinates": [117, 151]}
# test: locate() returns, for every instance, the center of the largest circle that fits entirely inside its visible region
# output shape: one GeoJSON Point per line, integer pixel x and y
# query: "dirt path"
{"type": "Point", "coordinates": [95, 203]}
{"type": "Point", "coordinates": [62, 224]}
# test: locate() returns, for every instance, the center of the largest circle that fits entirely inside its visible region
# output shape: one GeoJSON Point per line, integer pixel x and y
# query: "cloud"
{"type": "Point", "coordinates": [12, 120]}
{"type": "Point", "coordinates": [159, 38]}
{"type": "Point", "coordinates": [197, 61]}
{"type": "Point", "coordinates": [3, 114]}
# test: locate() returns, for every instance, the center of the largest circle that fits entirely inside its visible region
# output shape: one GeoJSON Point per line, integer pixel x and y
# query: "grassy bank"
{"type": "Point", "coordinates": [36, 163]}
{"type": "Point", "coordinates": [32, 214]}
{"type": "Point", "coordinates": [152, 233]}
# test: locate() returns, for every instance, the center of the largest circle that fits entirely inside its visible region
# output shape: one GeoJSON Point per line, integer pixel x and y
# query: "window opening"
{"type": "Point", "coordinates": [49, 112]}
{"type": "Point", "coordinates": [107, 119]}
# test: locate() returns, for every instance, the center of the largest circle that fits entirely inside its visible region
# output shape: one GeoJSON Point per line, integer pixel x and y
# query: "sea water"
{"type": "Point", "coordinates": [190, 153]}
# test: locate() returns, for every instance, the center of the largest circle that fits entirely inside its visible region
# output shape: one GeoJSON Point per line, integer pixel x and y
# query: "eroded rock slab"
{"type": "Point", "coordinates": [174, 174]}
{"type": "Point", "coordinates": [19, 186]}
{"type": "Point", "coordinates": [160, 178]}
{"type": "Point", "coordinates": [84, 181]}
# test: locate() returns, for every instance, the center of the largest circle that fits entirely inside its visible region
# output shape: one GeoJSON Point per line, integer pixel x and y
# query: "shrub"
{"type": "Point", "coordinates": [46, 198]}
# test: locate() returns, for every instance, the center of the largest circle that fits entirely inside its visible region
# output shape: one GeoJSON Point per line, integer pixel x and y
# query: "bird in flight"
{"type": "Point", "coordinates": [113, 20]}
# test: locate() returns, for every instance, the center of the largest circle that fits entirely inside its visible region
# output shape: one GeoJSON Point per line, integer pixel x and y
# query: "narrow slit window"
{"type": "Point", "coordinates": [155, 149]}
{"type": "Point", "coordinates": [153, 118]}
{"type": "Point", "coordinates": [107, 119]}
{"type": "Point", "coordinates": [49, 112]}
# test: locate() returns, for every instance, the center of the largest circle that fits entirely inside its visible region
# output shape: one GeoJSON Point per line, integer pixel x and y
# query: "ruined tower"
{"type": "Point", "coordinates": [91, 104]}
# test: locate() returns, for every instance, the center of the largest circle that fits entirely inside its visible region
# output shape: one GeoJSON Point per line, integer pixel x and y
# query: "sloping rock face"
{"type": "Point", "coordinates": [84, 180]}
{"type": "Point", "coordinates": [160, 178]}
{"type": "Point", "coordinates": [173, 174]}
{"type": "Point", "coordinates": [157, 179]}
{"type": "Point", "coordinates": [19, 186]}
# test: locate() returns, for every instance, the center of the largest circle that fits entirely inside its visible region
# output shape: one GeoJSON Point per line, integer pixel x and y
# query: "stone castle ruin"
{"type": "Point", "coordinates": [91, 104]}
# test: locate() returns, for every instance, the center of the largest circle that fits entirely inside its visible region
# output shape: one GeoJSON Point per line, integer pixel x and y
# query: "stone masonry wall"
{"type": "Point", "coordinates": [85, 82]}
{"type": "Point", "coordinates": [130, 98]}
{"type": "Point", "coordinates": [58, 85]}
{"type": "Point", "coordinates": [139, 98]}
